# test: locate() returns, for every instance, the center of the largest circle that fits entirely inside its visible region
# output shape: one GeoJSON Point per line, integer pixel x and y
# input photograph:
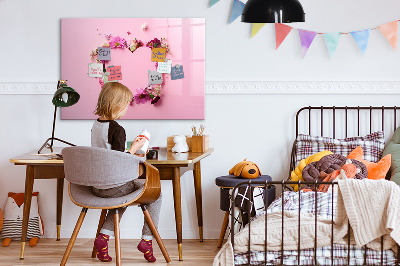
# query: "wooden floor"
{"type": "Point", "coordinates": [50, 252]}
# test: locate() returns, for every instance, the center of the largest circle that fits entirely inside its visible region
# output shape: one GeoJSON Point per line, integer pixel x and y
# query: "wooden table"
{"type": "Point", "coordinates": [170, 165]}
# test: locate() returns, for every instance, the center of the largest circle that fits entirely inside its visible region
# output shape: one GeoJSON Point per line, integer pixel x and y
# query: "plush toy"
{"type": "Point", "coordinates": [296, 174]}
{"type": "Point", "coordinates": [13, 215]}
{"type": "Point", "coordinates": [180, 144]}
{"type": "Point", "coordinates": [245, 169]}
{"type": "Point", "coordinates": [375, 170]}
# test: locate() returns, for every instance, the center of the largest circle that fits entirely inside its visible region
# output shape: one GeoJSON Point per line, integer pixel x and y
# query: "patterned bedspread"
{"type": "Point", "coordinates": [306, 202]}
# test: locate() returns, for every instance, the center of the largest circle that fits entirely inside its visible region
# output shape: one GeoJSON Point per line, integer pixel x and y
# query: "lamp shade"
{"type": "Point", "coordinates": [273, 11]}
{"type": "Point", "coordinates": [65, 96]}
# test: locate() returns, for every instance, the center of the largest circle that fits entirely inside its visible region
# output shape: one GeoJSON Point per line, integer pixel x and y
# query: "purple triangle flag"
{"type": "Point", "coordinates": [306, 39]}
{"type": "Point", "coordinates": [361, 37]}
{"type": "Point", "coordinates": [237, 9]}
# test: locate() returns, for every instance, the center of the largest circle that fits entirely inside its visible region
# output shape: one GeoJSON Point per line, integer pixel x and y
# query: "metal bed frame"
{"type": "Point", "coordinates": [283, 184]}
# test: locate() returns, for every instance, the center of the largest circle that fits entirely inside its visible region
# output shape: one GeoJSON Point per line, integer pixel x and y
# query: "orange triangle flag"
{"type": "Point", "coordinates": [389, 30]}
{"type": "Point", "coordinates": [281, 31]}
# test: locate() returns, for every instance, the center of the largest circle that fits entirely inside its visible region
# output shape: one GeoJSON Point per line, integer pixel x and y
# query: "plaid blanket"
{"type": "Point", "coordinates": [323, 205]}
{"type": "Point", "coordinates": [324, 257]}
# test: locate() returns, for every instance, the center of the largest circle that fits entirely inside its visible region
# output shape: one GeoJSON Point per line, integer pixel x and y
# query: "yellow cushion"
{"type": "Point", "coordinates": [296, 174]}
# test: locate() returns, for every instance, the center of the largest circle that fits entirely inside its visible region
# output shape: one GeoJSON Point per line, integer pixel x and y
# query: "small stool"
{"type": "Point", "coordinates": [226, 183]}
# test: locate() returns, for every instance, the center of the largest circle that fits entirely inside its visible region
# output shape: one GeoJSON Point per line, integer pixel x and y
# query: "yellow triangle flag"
{"type": "Point", "coordinates": [255, 28]}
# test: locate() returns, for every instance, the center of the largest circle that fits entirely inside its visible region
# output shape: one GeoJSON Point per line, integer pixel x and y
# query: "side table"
{"type": "Point", "coordinates": [226, 183]}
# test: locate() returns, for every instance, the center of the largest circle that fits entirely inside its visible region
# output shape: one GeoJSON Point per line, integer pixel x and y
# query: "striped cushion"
{"type": "Point", "coordinates": [13, 228]}
{"type": "Point", "coordinates": [372, 145]}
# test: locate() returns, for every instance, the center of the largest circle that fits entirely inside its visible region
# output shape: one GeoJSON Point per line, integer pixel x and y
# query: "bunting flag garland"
{"type": "Point", "coordinates": [306, 39]}
{"type": "Point", "coordinates": [332, 41]}
{"type": "Point", "coordinates": [213, 2]}
{"type": "Point", "coordinates": [389, 30]}
{"type": "Point", "coordinates": [361, 37]}
{"type": "Point", "coordinates": [255, 28]}
{"type": "Point", "coordinates": [237, 9]}
{"type": "Point", "coordinates": [281, 31]}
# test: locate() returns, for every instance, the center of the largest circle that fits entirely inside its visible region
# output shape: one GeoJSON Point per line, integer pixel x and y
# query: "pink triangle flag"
{"type": "Point", "coordinates": [306, 39]}
{"type": "Point", "coordinates": [281, 31]}
{"type": "Point", "coordinates": [389, 30]}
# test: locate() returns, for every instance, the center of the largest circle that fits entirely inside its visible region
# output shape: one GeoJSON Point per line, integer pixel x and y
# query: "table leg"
{"type": "Point", "coordinates": [199, 205]}
{"type": "Point", "coordinates": [60, 190]}
{"type": "Point", "coordinates": [176, 183]}
{"type": "Point", "coordinates": [27, 206]}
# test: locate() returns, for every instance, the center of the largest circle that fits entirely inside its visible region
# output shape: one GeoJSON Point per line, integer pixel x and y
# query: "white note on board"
{"type": "Point", "coordinates": [164, 67]}
{"type": "Point", "coordinates": [95, 70]}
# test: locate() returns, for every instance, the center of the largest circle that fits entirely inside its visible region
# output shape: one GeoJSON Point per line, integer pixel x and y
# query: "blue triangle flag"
{"type": "Point", "coordinates": [361, 37]}
{"type": "Point", "coordinates": [237, 9]}
{"type": "Point", "coordinates": [213, 2]}
{"type": "Point", "coordinates": [332, 41]}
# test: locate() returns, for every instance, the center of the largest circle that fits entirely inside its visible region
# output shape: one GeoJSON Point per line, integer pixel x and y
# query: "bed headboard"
{"type": "Point", "coordinates": [344, 121]}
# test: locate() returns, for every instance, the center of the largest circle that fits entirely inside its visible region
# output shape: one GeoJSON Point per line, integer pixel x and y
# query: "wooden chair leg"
{"type": "Point", "coordinates": [154, 230]}
{"type": "Point", "coordinates": [101, 222]}
{"type": "Point", "coordinates": [73, 237]}
{"type": "Point", "coordinates": [223, 229]}
{"type": "Point", "coordinates": [117, 238]}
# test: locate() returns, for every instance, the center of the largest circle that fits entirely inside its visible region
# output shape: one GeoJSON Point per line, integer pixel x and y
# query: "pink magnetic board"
{"type": "Point", "coordinates": [181, 98]}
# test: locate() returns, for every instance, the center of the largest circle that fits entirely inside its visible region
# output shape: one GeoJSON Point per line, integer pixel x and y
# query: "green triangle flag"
{"type": "Point", "coordinates": [213, 2]}
{"type": "Point", "coordinates": [255, 28]}
{"type": "Point", "coordinates": [332, 41]}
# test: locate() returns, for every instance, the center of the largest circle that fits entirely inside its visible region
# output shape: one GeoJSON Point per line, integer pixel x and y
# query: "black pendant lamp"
{"type": "Point", "coordinates": [273, 11]}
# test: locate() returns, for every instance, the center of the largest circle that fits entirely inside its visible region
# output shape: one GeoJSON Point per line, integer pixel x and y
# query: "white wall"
{"type": "Point", "coordinates": [259, 127]}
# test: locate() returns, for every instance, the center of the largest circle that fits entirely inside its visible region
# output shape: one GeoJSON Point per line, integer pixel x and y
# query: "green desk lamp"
{"type": "Point", "coordinates": [64, 96]}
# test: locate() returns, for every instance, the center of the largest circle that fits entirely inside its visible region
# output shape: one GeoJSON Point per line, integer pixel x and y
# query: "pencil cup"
{"type": "Point", "coordinates": [200, 143]}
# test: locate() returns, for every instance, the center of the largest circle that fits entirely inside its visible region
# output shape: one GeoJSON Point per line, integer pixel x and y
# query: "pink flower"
{"type": "Point", "coordinates": [117, 42]}
{"type": "Point", "coordinates": [129, 33]}
{"type": "Point", "coordinates": [107, 36]}
{"type": "Point", "coordinates": [141, 96]}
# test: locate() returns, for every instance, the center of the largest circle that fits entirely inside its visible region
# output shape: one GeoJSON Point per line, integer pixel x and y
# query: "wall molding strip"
{"type": "Point", "coordinates": [251, 87]}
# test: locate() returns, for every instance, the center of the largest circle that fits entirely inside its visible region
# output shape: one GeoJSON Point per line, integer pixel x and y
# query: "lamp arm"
{"type": "Point", "coordinates": [54, 126]}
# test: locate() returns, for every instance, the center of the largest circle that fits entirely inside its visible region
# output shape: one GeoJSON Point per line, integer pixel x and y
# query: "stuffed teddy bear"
{"type": "Point", "coordinates": [13, 215]}
{"type": "Point", "coordinates": [180, 144]}
{"type": "Point", "coordinates": [245, 169]}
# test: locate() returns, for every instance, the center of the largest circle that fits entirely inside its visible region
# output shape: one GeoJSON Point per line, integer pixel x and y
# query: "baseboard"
{"type": "Point", "coordinates": [247, 87]}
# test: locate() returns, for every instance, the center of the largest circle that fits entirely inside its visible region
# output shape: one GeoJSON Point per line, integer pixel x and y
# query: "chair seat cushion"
{"type": "Point", "coordinates": [83, 196]}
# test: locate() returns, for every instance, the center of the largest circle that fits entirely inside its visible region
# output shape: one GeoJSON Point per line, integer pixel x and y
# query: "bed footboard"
{"type": "Point", "coordinates": [380, 258]}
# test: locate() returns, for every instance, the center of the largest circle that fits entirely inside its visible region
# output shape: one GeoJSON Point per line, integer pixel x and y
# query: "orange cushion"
{"type": "Point", "coordinates": [375, 170]}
